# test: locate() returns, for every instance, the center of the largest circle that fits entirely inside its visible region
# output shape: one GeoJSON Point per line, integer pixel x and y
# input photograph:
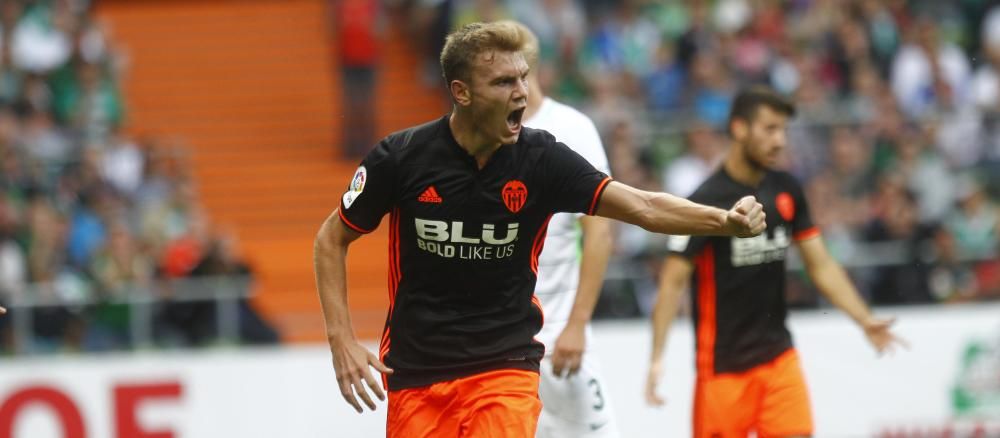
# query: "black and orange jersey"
{"type": "Point", "coordinates": [464, 246]}
{"type": "Point", "coordinates": [738, 285]}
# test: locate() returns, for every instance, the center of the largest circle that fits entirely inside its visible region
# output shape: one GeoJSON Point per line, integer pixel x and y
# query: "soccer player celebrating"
{"type": "Point", "coordinates": [748, 373]}
{"type": "Point", "coordinates": [569, 281]}
{"type": "Point", "coordinates": [469, 197]}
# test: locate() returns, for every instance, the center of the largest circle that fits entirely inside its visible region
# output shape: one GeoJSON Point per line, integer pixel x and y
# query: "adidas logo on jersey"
{"type": "Point", "coordinates": [430, 195]}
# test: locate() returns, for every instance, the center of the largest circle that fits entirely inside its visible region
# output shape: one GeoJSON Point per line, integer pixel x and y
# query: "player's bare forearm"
{"type": "Point", "coordinates": [836, 286]}
{"type": "Point", "coordinates": [660, 212]}
{"type": "Point", "coordinates": [832, 280]}
{"type": "Point", "coordinates": [597, 247]}
{"type": "Point", "coordinates": [351, 360]}
{"type": "Point", "coordinates": [569, 347]}
{"type": "Point", "coordinates": [330, 264]}
{"type": "Point", "coordinates": [674, 277]}
{"type": "Point", "coordinates": [668, 214]}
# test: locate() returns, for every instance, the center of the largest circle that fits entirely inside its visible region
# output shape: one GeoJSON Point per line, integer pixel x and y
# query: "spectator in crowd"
{"type": "Point", "coordinates": [120, 269]}
{"type": "Point", "coordinates": [122, 165]}
{"type": "Point", "coordinates": [903, 279]}
{"type": "Point", "coordinates": [222, 260]}
{"type": "Point", "coordinates": [664, 83]}
{"type": "Point", "coordinates": [358, 27]}
{"type": "Point", "coordinates": [850, 164]}
{"type": "Point", "coordinates": [950, 279]}
{"type": "Point", "coordinates": [710, 90]}
{"type": "Point", "coordinates": [40, 39]}
{"type": "Point", "coordinates": [87, 231]}
{"type": "Point", "coordinates": [56, 287]}
{"type": "Point", "coordinates": [976, 222]}
{"type": "Point", "coordinates": [88, 101]}
{"type": "Point", "coordinates": [171, 218]}
{"type": "Point", "coordinates": [11, 78]}
{"type": "Point", "coordinates": [929, 73]}
{"type": "Point", "coordinates": [186, 317]}
{"type": "Point", "coordinates": [44, 144]}
{"type": "Point", "coordinates": [159, 176]}
{"type": "Point", "coordinates": [926, 173]}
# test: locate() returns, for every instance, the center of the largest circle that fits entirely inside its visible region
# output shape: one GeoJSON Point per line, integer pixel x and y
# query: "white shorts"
{"type": "Point", "coordinates": [575, 407]}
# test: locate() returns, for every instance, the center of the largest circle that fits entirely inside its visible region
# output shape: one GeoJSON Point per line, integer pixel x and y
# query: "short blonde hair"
{"type": "Point", "coordinates": [463, 45]}
{"type": "Point", "coordinates": [530, 46]}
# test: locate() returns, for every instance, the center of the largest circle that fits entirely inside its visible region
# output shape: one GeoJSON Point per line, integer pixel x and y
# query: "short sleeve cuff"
{"type": "Point", "coordinates": [806, 234]}
{"type": "Point", "coordinates": [597, 195]}
{"type": "Point", "coordinates": [340, 212]}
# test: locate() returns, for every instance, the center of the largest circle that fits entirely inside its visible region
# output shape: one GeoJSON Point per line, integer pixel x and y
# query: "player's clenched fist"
{"type": "Point", "coordinates": [746, 218]}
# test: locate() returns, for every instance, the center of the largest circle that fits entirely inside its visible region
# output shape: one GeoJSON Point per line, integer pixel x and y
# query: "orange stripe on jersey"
{"type": "Point", "coordinates": [394, 277]}
{"type": "Point", "coordinates": [597, 195]}
{"type": "Point", "coordinates": [394, 251]}
{"type": "Point", "coordinates": [349, 224]}
{"type": "Point", "coordinates": [538, 304]}
{"type": "Point", "coordinates": [806, 234]}
{"type": "Point", "coordinates": [538, 243]}
{"type": "Point", "coordinates": [705, 265]}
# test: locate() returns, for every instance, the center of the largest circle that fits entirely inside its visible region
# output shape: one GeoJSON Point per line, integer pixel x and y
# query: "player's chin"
{"type": "Point", "coordinates": [771, 163]}
{"type": "Point", "coordinates": [509, 135]}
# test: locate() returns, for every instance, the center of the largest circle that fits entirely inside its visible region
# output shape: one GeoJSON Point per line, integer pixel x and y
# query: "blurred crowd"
{"type": "Point", "coordinates": [897, 139]}
{"type": "Point", "coordinates": [92, 219]}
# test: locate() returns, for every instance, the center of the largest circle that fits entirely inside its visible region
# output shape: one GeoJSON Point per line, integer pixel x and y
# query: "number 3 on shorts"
{"type": "Point", "coordinates": [593, 383]}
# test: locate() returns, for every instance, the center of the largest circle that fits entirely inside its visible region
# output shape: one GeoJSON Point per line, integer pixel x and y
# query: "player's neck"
{"type": "Point", "coordinates": [742, 170]}
{"type": "Point", "coordinates": [535, 97]}
{"type": "Point", "coordinates": [469, 139]}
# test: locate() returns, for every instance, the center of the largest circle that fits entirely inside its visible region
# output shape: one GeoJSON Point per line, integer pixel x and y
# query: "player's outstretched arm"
{"type": "Point", "coordinates": [668, 214]}
{"type": "Point", "coordinates": [597, 246]}
{"type": "Point", "coordinates": [833, 282]}
{"type": "Point", "coordinates": [2, 310]}
{"type": "Point", "coordinates": [673, 279]}
{"type": "Point", "coordinates": [351, 360]}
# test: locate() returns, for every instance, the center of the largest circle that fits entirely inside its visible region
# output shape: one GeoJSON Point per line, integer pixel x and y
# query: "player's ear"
{"type": "Point", "coordinates": [739, 128]}
{"type": "Point", "coordinates": [460, 92]}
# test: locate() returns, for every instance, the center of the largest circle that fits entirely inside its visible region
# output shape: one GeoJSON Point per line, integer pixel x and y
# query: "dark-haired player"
{"type": "Point", "coordinates": [748, 373]}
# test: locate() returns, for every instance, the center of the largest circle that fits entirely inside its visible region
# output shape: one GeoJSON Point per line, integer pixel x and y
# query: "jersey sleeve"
{"type": "Point", "coordinates": [573, 184]}
{"type": "Point", "coordinates": [370, 194]}
{"type": "Point", "coordinates": [803, 227]}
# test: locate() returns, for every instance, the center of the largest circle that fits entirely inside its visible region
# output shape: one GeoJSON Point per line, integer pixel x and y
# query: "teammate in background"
{"type": "Point", "coordinates": [749, 378]}
{"type": "Point", "coordinates": [569, 281]}
{"type": "Point", "coordinates": [469, 197]}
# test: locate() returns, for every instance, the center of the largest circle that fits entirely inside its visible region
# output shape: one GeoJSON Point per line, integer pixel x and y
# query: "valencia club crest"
{"type": "Point", "coordinates": [514, 194]}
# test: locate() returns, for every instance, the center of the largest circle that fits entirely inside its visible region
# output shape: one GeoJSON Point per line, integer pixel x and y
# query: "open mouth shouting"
{"type": "Point", "coordinates": [514, 120]}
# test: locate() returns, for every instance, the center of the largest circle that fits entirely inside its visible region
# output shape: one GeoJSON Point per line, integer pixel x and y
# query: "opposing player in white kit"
{"type": "Point", "coordinates": [574, 403]}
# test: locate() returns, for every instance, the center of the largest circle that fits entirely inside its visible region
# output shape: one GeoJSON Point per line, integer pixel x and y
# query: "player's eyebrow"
{"type": "Point", "coordinates": [503, 78]}
{"type": "Point", "coordinates": [508, 77]}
